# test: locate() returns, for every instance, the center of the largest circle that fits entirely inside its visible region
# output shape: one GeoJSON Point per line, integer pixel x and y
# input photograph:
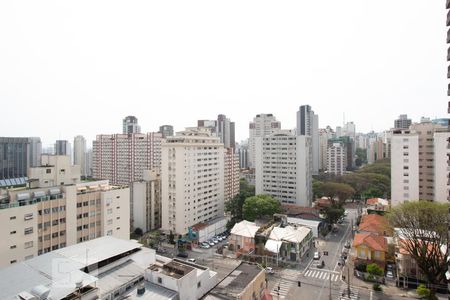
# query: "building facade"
{"type": "Point", "coordinates": [62, 147]}
{"type": "Point", "coordinates": [284, 167]}
{"type": "Point", "coordinates": [35, 151]}
{"type": "Point", "coordinates": [192, 179]}
{"type": "Point", "coordinates": [418, 163]}
{"type": "Point", "coordinates": [41, 219]}
{"type": "Point", "coordinates": [79, 153]}
{"type": "Point", "coordinates": [146, 202]}
{"type": "Point", "coordinates": [262, 125]}
{"type": "Point", "coordinates": [166, 130]}
{"type": "Point", "coordinates": [308, 125]}
{"type": "Point", "coordinates": [130, 125]}
{"type": "Point", "coordinates": [14, 160]}
{"type": "Point", "coordinates": [402, 122]}
{"type": "Point", "coordinates": [336, 158]}
{"type": "Point", "coordinates": [231, 174]}
{"type": "Point", "coordinates": [122, 158]}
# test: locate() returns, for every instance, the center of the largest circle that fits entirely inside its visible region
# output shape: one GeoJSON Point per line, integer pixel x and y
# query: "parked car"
{"type": "Point", "coordinates": [347, 245]}
{"type": "Point", "coordinates": [182, 254]}
{"type": "Point", "coordinates": [269, 270]}
{"type": "Point", "coordinates": [191, 260]}
{"type": "Point", "coordinates": [340, 221]}
{"type": "Point", "coordinates": [316, 255]}
{"type": "Point", "coordinates": [205, 245]}
{"type": "Point", "coordinates": [211, 243]}
{"type": "Point", "coordinates": [345, 213]}
{"type": "Point", "coordinates": [390, 274]}
{"type": "Point", "coordinates": [320, 265]}
{"type": "Point", "coordinates": [215, 241]}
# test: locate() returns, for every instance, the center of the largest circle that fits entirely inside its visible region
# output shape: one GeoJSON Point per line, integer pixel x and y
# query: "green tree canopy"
{"type": "Point", "coordinates": [374, 269]}
{"type": "Point", "coordinates": [337, 191]}
{"type": "Point", "coordinates": [260, 206]}
{"type": "Point", "coordinates": [234, 206]}
{"type": "Point", "coordinates": [333, 213]}
{"type": "Point", "coordinates": [423, 228]}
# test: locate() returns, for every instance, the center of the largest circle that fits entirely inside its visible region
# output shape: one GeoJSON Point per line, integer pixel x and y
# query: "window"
{"type": "Point", "coordinates": [110, 221]}
{"type": "Point", "coordinates": [29, 257]}
{"type": "Point", "coordinates": [13, 261]}
{"type": "Point", "coordinates": [28, 244]}
{"type": "Point", "coordinates": [199, 284]}
{"type": "Point", "coordinates": [159, 280]}
{"type": "Point", "coordinates": [28, 230]}
{"type": "Point", "coordinates": [79, 228]}
{"type": "Point", "coordinates": [79, 204]}
{"type": "Point", "coordinates": [62, 233]}
{"type": "Point", "coordinates": [109, 211]}
{"type": "Point", "coordinates": [55, 235]}
{"type": "Point", "coordinates": [12, 218]}
{"type": "Point", "coordinates": [48, 171]}
{"type": "Point", "coordinates": [109, 232]}
{"type": "Point", "coordinates": [13, 247]}
{"type": "Point", "coordinates": [86, 203]}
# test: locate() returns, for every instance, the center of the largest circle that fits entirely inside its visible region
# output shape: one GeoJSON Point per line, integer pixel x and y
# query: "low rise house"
{"type": "Point", "coordinates": [242, 237]}
{"type": "Point", "coordinates": [290, 242]}
{"type": "Point", "coordinates": [370, 247]}
{"type": "Point", "coordinates": [375, 224]}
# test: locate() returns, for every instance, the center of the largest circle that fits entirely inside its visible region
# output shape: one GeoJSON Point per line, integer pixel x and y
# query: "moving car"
{"type": "Point", "coordinates": [316, 255]}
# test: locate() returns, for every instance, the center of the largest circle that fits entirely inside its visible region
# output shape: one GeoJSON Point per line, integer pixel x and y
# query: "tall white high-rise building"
{"type": "Point", "coordinates": [79, 153]}
{"type": "Point", "coordinates": [418, 163]}
{"type": "Point", "coordinates": [146, 202]}
{"type": "Point", "coordinates": [283, 167]}
{"type": "Point", "coordinates": [89, 162]}
{"type": "Point", "coordinates": [308, 125]}
{"type": "Point", "coordinates": [192, 179]}
{"type": "Point", "coordinates": [324, 135]}
{"type": "Point", "coordinates": [262, 125]}
{"type": "Point", "coordinates": [122, 158]}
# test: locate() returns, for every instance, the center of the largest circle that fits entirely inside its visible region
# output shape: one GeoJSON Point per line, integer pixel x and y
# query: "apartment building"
{"type": "Point", "coordinates": [79, 153]}
{"type": "Point", "coordinates": [308, 125]}
{"type": "Point", "coordinates": [262, 125]}
{"type": "Point", "coordinates": [122, 158]}
{"type": "Point", "coordinates": [336, 158]}
{"type": "Point", "coordinates": [284, 167]}
{"type": "Point", "coordinates": [130, 125]}
{"type": "Point", "coordinates": [41, 219]}
{"type": "Point", "coordinates": [14, 160]}
{"type": "Point", "coordinates": [418, 163]}
{"type": "Point", "coordinates": [231, 174]}
{"type": "Point", "coordinates": [192, 179]}
{"type": "Point", "coordinates": [146, 202]}
{"type": "Point", "coordinates": [402, 122]}
{"type": "Point", "coordinates": [55, 170]}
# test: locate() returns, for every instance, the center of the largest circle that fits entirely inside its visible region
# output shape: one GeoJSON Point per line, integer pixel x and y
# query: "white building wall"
{"type": "Point", "coordinates": [404, 168]}
{"type": "Point", "coordinates": [116, 213]}
{"type": "Point", "coordinates": [304, 171]}
{"type": "Point", "coordinates": [315, 145]}
{"type": "Point", "coordinates": [192, 179]}
{"type": "Point", "coordinates": [55, 170]}
{"type": "Point", "coordinates": [79, 153]}
{"type": "Point", "coordinates": [441, 152]}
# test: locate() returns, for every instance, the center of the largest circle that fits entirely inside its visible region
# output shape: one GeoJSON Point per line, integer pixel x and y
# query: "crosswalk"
{"type": "Point", "coordinates": [354, 293]}
{"type": "Point", "coordinates": [324, 275]}
{"type": "Point", "coordinates": [281, 288]}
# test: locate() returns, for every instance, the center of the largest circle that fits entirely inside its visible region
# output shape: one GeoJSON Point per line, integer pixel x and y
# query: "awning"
{"type": "Point", "coordinates": [273, 246]}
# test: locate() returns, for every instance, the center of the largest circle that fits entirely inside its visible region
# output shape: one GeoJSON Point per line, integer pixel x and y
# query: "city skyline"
{"type": "Point", "coordinates": [336, 57]}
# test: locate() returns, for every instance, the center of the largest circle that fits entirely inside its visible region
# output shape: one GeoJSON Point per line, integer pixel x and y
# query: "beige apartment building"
{"type": "Point", "coordinates": [38, 220]}
{"type": "Point", "coordinates": [146, 202]}
{"type": "Point", "coordinates": [231, 176]}
{"type": "Point", "coordinates": [418, 163]}
{"type": "Point", "coordinates": [192, 179]}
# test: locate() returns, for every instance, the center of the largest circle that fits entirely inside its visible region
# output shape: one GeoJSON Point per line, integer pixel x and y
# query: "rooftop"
{"type": "Point", "coordinates": [151, 292]}
{"type": "Point", "coordinates": [173, 269]}
{"type": "Point", "coordinates": [290, 234]}
{"type": "Point", "coordinates": [236, 282]}
{"type": "Point", "coordinates": [245, 228]}
{"type": "Point", "coordinates": [374, 242]}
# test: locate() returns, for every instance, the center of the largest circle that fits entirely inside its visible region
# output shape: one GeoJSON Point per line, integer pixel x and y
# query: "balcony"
{"type": "Point", "coordinates": [448, 4]}
{"type": "Point", "coordinates": [448, 17]}
{"type": "Point", "coordinates": [448, 36]}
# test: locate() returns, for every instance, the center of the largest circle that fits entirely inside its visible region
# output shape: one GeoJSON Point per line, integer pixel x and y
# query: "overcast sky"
{"type": "Point", "coordinates": [79, 67]}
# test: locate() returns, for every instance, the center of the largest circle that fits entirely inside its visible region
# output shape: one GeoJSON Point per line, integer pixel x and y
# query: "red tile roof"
{"type": "Point", "coordinates": [372, 241]}
{"type": "Point", "coordinates": [375, 224]}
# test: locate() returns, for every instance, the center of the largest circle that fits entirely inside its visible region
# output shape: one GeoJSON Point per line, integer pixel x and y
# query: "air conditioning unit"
{"type": "Point", "coordinates": [26, 296]}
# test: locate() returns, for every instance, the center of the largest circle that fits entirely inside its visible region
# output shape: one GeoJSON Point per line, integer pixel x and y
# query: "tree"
{"type": "Point", "coordinates": [361, 155]}
{"type": "Point", "coordinates": [234, 206]}
{"type": "Point", "coordinates": [138, 231]}
{"type": "Point", "coordinates": [337, 191]}
{"type": "Point", "coordinates": [259, 206]}
{"type": "Point", "coordinates": [424, 292]}
{"type": "Point", "coordinates": [423, 230]}
{"type": "Point", "coordinates": [171, 237]}
{"type": "Point", "coordinates": [374, 270]}
{"type": "Point", "coordinates": [333, 213]}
